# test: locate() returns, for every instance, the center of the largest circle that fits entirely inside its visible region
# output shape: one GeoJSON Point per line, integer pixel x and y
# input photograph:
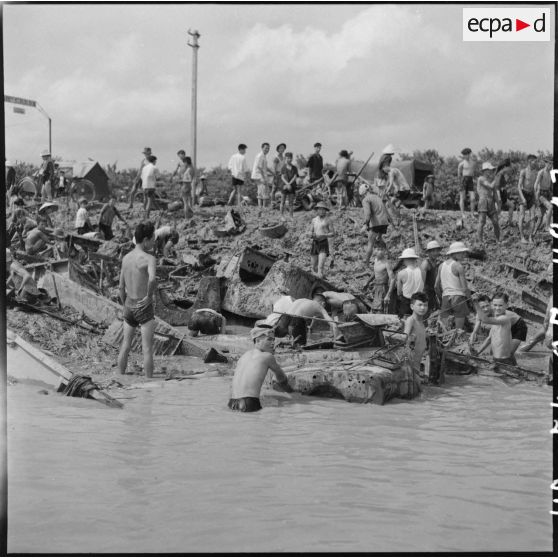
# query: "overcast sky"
{"type": "Point", "coordinates": [117, 78]}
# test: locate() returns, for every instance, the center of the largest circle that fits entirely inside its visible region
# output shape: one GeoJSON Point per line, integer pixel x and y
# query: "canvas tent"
{"type": "Point", "coordinates": [413, 170]}
{"type": "Point", "coordinates": [91, 180]}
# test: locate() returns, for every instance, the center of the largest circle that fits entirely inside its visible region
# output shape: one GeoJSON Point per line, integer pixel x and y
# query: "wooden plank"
{"type": "Point", "coordinates": [533, 301]}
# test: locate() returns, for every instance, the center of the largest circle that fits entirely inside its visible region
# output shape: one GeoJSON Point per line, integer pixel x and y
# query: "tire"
{"type": "Point", "coordinates": [85, 189]}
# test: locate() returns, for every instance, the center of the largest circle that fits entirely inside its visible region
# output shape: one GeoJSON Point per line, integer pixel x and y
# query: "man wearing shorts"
{"type": "Point", "coordinates": [239, 170]}
{"type": "Point", "coordinates": [465, 176]}
{"type": "Point", "coordinates": [487, 201]}
{"type": "Point", "coordinates": [137, 286]}
{"type": "Point", "coordinates": [137, 181]}
{"type": "Point", "coordinates": [375, 220]}
{"type": "Point", "coordinates": [526, 191]}
{"type": "Point", "coordinates": [543, 196]}
{"type": "Point", "coordinates": [251, 371]}
{"type": "Point", "coordinates": [260, 174]}
{"type": "Point", "coordinates": [149, 175]}
{"type": "Point", "coordinates": [453, 284]}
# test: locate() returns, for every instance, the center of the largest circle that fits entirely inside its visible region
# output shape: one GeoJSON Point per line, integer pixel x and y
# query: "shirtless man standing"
{"type": "Point", "coordinates": [321, 232]}
{"type": "Point", "coordinates": [137, 285]}
{"type": "Point", "coordinates": [251, 371]}
{"type": "Point", "coordinates": [465, 175]}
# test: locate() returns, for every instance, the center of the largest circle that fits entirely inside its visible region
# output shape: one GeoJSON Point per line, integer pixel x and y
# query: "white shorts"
{"type": "Point", "coordinates": [263, 191]}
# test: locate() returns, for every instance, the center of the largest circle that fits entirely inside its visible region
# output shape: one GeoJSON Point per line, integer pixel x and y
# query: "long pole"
{"type": "Point", "coordinates": [50, 135]}
{"type": "Point", "coordinates": [195, 46]}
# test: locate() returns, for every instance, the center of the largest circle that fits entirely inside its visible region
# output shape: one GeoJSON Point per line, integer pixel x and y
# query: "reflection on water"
{"type": "Point", "coordinates": [467, 468]}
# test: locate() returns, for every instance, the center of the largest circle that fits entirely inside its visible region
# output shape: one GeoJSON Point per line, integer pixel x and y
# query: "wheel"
{"type": "Point", "coordinates": [28, 187]}
{"type": "Point", "coordinates": [85, 189]}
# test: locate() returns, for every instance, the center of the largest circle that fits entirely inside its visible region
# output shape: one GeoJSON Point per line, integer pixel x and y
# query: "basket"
{"type": "Point", "coordinates": [274, 231]}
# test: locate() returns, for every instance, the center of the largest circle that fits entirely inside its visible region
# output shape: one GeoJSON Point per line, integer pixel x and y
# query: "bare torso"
{"type": "Point", "coordinates": [135, 273]}
{"type": "Point", "coordinates": [250, 374]}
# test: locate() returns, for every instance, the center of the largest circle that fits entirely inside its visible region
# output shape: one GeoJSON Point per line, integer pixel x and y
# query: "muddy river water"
{"type": "Point", "coordinates": [465, 468]}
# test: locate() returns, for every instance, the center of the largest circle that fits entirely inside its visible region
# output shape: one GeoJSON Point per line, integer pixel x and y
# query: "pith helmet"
{"type": "Point", "coordinates": [408, 253]}
{"type": "Point", "coordinates": [432, 245]}
{"type": "Point", "coordinates": [456, 247]}
{"type": "Point", "coordinates": [322, 205]}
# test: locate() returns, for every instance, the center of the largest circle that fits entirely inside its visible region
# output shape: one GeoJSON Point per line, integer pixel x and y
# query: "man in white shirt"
{"type": "Point", "coordinates": [261, 174]}
{"type": "Point", "coordinates": [149, 176]}
{"type": "Point", "coordinates": [239, 170]}
{"type": "Point", "coordinates": [137, 181]}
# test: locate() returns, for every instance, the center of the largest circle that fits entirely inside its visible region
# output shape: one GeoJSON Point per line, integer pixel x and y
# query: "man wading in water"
{"type": "Point", "coordinates": [251, 371]}
{"type": "Point", "coordinates": [137, 285]}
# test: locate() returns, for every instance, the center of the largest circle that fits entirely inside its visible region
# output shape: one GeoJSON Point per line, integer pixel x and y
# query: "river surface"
{"type": "Point", "coordinates": [465, 468]}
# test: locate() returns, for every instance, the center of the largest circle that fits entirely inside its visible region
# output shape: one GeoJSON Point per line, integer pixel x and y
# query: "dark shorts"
{"type": "Point", "coordinates": [432, 300]}
{"type": "Point", "coordinates": [106, 230]}
{"type": "Point", "coordinates": [85, 229]}
{"type": "Point", "coordinates": [149, 192]}
{"type": "Point", "coordinates": [186, 189]}
{"type": "Point", "coordinates": [504, 198]}
{"type": "Point", "coordinates": [138, 315]}
{"type": "Point", "coordinates": [547, 195]}
{"type": "Point", "coordinates": [519, 330]}
{"type": "Point", "coordinates": [467, 184]}
{"type": "Point", "coordinates": [379, 229]}
{"type": "Point", "coordinates": [237, 181]}
{"type": "Point", "coordinates": [456, 305]}
{"type": "Point", "coordinates": [320, 247]}
{"type": "Point", "coordinates": [245, 404]}
{"type": "Point", "coordinates": [205, 322]}
{"type": "Point", "coordinates": [404, 306]}
{"type": "Point", "coordinates": [529, 199]}
{"type": "Point", "coordinates": [298, 327]}
{"type": "Point", "coordinates": [487, 206]}
{"type": "Point", "coordinates": [289, 189]}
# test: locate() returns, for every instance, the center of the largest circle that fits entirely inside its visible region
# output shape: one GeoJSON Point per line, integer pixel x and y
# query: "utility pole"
{"type": "Point", "coordinates": [34, 104]}
{"type": "Point", "coordinates": [195, 46]}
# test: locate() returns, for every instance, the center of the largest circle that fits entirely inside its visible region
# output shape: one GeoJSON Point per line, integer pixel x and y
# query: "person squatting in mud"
{"type": "Point", "coordinates": [136, 289]}
{"type": "Point", "coordinates": [321, 230]}
{"type": "Point", "coordinates": [252, 369]}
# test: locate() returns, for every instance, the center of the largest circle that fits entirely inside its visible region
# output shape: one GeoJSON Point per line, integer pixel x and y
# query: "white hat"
{"type": "Point", "coordinates": [48, 205]}
{"type": "Point", "coordinates": [487, 166]}
{"type": "Point", "coordinates": [456, 247]}
{"type": "Point", "coordinates": [45, 153]}
{"type": "Point", "coordinates": [8, 164]}
{"type": "Point", "coordinates": [408, 253]}
{"type": "Point", "coordinates": [432, 245]}
{"type": "Point", "coordinates": [390, 149]}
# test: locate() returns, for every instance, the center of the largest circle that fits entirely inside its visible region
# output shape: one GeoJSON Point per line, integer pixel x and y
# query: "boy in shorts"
{"type": "Point", "coordinates": [289, 175]}
{"type": "Point", "coordinates": [465, 176]}
{"type": "Point", "coordinates": [321, 232]}
{"type": "Point", "coordinates": [428, 191]}
{"type": "Point", "coordinates": [137, 287]}
{"type": "Point", "coordinates": [526, 191]}
{"type": "Point", "coordinates": [487, 202]}
{"type": "Point", "coordinates": [452, 283]}
{"type": "Point", "coordinates": [415, 331]}
{"type": "Point", "coordinates": [543, 196]}
{"type": "Point", "coordinates": [260, 174]}
{"type": "Point", "coordinates": [376, 220]}
{"type": "Point", "coordinates": [383, 278]}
